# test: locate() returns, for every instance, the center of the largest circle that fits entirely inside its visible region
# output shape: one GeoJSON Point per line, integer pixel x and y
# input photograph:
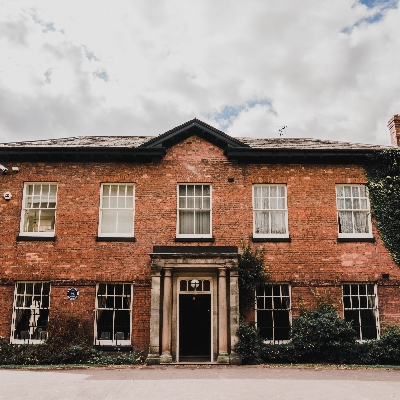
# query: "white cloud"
{"type": "Point", "coordinates": [325, 69]}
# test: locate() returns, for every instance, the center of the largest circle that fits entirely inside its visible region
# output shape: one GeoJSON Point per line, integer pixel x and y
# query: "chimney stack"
{"type": "Point", "coordinates": [394, 128]}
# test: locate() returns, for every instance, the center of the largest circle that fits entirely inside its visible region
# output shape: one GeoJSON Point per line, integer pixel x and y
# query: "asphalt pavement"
{"type": "Point", "coordinates": [200, 382]}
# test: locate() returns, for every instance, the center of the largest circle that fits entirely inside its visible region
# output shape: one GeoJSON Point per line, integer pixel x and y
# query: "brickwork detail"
{"type": "Point", "coordinates": [313, 257]}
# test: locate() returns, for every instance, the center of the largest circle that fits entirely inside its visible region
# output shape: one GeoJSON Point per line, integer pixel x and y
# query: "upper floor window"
{"type": "Point", "coordinates": [116, 209]}
{"type": "Point", "coordinates": [194, 211]}
{"type": "Point", "coordinates": [273, 312]}
{"type": "Point", "coordinates": [38, 209]}
{"type": "Point", "coordinates": [30, 312]}
{"type": "Point", "coordinates": [354, 218]}
{"type": "Point", "coordinates": [270, 216]}
{"type": "Point", "coordinates": [360, 306]}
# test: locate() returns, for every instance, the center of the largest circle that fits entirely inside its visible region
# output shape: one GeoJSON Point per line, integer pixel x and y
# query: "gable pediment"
{"type": "Point", "coordinates": [194, 127]}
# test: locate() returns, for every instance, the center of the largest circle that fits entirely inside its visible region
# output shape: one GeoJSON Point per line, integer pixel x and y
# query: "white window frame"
{"type": "Point", "coordinates": [256, 210]}
{"type": "Point", "coordinates": [193, 235]}
{"type": "Point", "coordinates": [102, 207]}
{"type": "Point", "coordinates": [25, 209]}
{"type": "Point", "coordinates": [33, 321]}
{"type": "Point", "coordinates": [273, 340]}
{"type": "Point", "coordinates": [113, 340]}
{"type": "Point", "coordinates": [352, 210]}
{"type": "Point", "coordinates": [193, 291]}
{"type": "Point", "coordinates": [374, 309]}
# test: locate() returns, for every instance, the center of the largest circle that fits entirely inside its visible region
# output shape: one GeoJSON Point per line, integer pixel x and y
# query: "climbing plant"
{"type": "Point", "coordinates": [251, 271]}
{"type": "Point", "coordinates": [383, 176]}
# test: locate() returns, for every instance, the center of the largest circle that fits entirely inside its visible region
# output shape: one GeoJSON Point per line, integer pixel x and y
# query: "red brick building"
{"type": "Point", "coordinates": [141, 235]}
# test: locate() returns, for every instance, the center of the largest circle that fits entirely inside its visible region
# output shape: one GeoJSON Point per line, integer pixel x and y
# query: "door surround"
{"type": "Point", "coordinates": [170, 263]}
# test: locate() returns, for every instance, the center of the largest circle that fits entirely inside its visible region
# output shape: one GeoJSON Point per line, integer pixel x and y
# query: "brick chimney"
{"type": "Point", "coordinates": [394, 128]}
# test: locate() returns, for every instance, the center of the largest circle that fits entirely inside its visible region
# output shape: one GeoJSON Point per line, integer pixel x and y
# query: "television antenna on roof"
{"type": "Point", "coordinates": [282, 128]}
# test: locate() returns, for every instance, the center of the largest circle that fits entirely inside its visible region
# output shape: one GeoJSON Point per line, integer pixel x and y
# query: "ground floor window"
{"type": "Point", "coordinates": [360, 305]}
{"type": "Point", "coordinates": [30, 312]}
{"type": "Point", "coordinates": [273, 312]}
{"type": "Point", "coordinates": [113, 314]}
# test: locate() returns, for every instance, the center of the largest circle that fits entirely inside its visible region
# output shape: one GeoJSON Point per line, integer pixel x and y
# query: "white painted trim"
{"type": "Point", "coordinates": [189, 236]}
{"type": "Point", "coordinates": [130, 234]}
{"type": "Point", "coordinates": [270, 235]}
{"type": "Point", "coordinates": [112, 342]}
{"type": "Point", "coordinates": [23, 209]}
{"type": "Point", "coordinates": [210, 292]}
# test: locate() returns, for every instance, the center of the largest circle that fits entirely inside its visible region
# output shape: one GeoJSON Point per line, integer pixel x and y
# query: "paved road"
{"type": "Point", "coordinates": [216, 382]}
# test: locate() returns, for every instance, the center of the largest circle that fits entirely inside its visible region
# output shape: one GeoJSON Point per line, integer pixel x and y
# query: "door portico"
{"type": "Point", "coordinates": [215, 265]}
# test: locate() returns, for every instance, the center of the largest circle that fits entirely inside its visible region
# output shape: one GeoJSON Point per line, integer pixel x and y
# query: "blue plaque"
{"type": "Point", "coordinates": [72, 293]}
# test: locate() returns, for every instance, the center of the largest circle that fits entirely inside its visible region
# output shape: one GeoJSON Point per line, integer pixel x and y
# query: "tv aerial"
{"type": "Point", "coordinates": [281, 129]}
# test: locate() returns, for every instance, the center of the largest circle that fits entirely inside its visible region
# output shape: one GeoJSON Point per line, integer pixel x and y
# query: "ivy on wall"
{"type": "Point", "coordinates": [251, 271]}
{"type": "Point", "coordinates": [383, 176]}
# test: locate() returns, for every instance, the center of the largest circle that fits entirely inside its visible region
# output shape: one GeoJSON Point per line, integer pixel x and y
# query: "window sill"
{"type": "Point", "coordinates": [271, 239]}
{"type": "Point", "coordinates": [211, 239]}
{"type": "Point", "coordinates": [36, 238]}
{"type": "Point", "coordinates": [114, 239]}
{"type": "Point", "coordinates": [356, 239]}
{"type": "Point", "coordinates": [114, 347]}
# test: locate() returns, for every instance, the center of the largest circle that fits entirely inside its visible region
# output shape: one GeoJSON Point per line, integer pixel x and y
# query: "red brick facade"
{"type": "Point", "coordinates": [313, 262]}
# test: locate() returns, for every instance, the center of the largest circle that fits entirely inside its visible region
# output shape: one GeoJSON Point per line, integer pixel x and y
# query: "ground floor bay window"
{"type": "Point", "coordinates": [113, 320]}
{"type": "Point", "coordinates": [273, 312]}
{"type": "Point", "coordinates": [360, 306]}
{"type": "Point", "coordinates": [30, 312]}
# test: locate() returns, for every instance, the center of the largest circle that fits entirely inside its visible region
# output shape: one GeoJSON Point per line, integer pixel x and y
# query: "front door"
{"type": "Point", "coordinates": [195, 324]}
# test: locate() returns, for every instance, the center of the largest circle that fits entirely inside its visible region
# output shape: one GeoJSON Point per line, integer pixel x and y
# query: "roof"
{"type": "Point", "coordinates": [146, 148]}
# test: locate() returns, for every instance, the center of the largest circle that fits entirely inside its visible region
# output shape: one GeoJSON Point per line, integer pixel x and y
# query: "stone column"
{"type": "Point", "coordinates": [223, 357]}
{"type": "Point", "coordinates": [166, 356]}
{"type": "Point", "coordinates": [234, 313]}
{"type": "Point", "coordinates": [154, 350]}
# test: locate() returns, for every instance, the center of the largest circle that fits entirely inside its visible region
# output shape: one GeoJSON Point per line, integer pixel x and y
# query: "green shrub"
{"type": "Point", "coordinates": [321, 335]}
{"type": "Point", "coordinates": [385, 351]}
{"type": "Point", "coordinates": [250, 344]}
{"type": "Point", "coordinates": [68, 342]}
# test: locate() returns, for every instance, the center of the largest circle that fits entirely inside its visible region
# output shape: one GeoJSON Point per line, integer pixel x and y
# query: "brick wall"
{"type": "Point", "coordinates": [313, 258]}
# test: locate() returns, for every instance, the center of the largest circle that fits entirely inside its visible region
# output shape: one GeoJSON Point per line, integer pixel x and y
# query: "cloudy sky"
{"type": "Point", "coordinates": [325, 69]}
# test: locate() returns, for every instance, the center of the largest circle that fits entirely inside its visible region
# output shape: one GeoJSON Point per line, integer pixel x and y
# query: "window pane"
{"type": "Point", "coordinates": [182, 202]}
{"type": "Point", "coordinates": [339, 191]}
{"type": "Point", "coordinates": [125, 221]}
{"type": "Point", "coordinates": [113, 202]}
{"type": "Point", "coordinates": [109, 221]}
{"type": "Point", "coordinates": [129, 190]}
{"type": "Point", "coordinates": [345, 222]}
{"type": "Point", "coordinates": [206, 190]}
{"type": "Point", "coordinates": [198, 190]}
{"type": "Point", "coordinates": [129, 202]}
{"type": "Point", "coordinates": [182, 190]}
{"type": "Point", "coordinates": [186, 222]}
{"type": "Point", "coordinates": [190, 190]}
{"type": "Point", "coordinates": [114, 190]}
{"type": "Point", "coordinates": [206, 203]}
{"type": "Point", "coordinates": [261, 222]}
{"type": "Point", "coordinates": [106, 190]}
{"type": "Point", "coordinates": [361, 222]}
{"type": "Point", "coordinates": [122, 190]}
{"type": "Point", "coordinates": [278, 223]}
{"type": "Point", "coordinates": [121, 202]}
{"type": "Point", "coordinates": [202, 221]}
